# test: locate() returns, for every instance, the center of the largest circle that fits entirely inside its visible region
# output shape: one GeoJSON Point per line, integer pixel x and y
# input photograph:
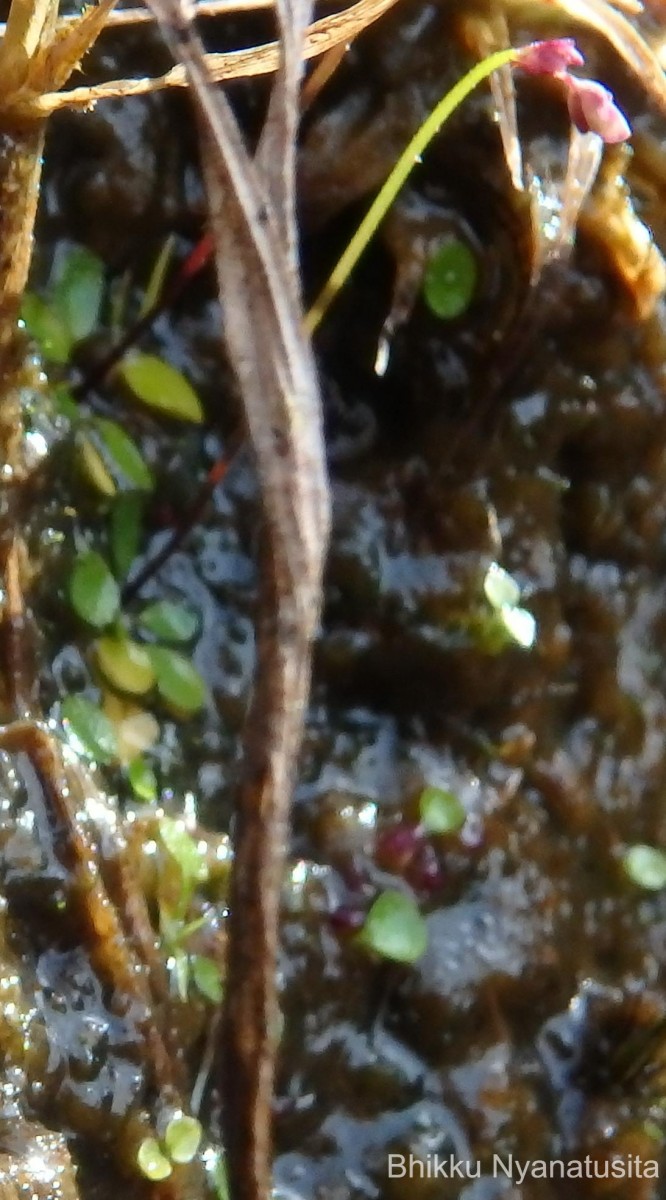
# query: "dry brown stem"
{"type": "Point", "coordinates": [321, 36]}
{"type": "Point", "coordinates": [251, 203]}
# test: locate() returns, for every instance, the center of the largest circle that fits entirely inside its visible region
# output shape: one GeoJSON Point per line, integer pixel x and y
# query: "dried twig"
{"type": "Point", "coordinates": [321, 36]}
{"type": "Point", "coordinates": [253, 223]}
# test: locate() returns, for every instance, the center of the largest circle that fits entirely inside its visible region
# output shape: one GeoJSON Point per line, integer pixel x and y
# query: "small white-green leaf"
{"type": "Point", "coordinates": [394, 928]}
{"type": "Point", "coordinates": [646, 866]}
{"type": "Point", "coordinates": [169, 621]}
{"type": "Point", "coordinates": [161, 387]}
{"type": "Point", "coordinates": [90, 728]}
{"type": "Point", "coordinates": [441, 811]}
{"type": "Point", "coordinates": [93, 591]}
{"type": "Point", "coordinates": [500, 588]}
{"type": "Point", "coordinates": [520, 625]}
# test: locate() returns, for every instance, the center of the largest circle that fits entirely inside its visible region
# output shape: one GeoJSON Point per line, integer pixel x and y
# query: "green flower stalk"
{"type": "Point", "coordinates": [591, 107]}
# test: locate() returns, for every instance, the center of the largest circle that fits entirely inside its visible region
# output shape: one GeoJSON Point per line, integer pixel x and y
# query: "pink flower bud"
{"type": "Point", "coordinates": [553, 57]}
{"type": "Point", "coordinates": [592, 109]}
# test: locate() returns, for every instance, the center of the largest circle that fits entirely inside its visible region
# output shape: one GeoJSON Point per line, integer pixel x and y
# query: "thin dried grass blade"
{"type": "Point", "coordinates": [322, 35]}
{"type": "Point", "coordinates": [253, 225]}
{"type": "Point", "coordinates": [585, 154]}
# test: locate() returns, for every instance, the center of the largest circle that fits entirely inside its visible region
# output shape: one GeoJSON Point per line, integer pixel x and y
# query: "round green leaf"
{"type": "Point", "coordinates": [441, 811]}
{"type": "Point", "coordinates": [151, 1162]}
{"type": "Point", "coordinates": [45, 326]}
{"type": "Point", "coordinates": [646, 866]}
{"type": "Point", "coordinates": [182, 1138]}
{"type": "Point", "coordinates": [78, 292]}
{"type": "Point", "coordinates": [450, 279]}
{"type": "Point", "coordinates": [124, 454]}
{"type": "Point", "coordinates": [125, 664]}
{"type": "Point", "coordinates": [91, 729]}
{"type": "Point", "coordinates": [394, 928]}
{"type": "Point", "coordinates": [207, 977]}
{"type": "Point", "coordinates": [178, 681]}
{"type": "Point", "coordinates": [93, 591]}
{"type": "Point", "coordinates": [169, 621]}
{"type": "Point", "coordinates": [161, 387]}
{"type": "Point", "coordinates": [126, 516]}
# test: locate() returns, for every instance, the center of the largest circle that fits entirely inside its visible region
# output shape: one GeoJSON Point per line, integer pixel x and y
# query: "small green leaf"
{"type": "Point", "coordinates": [441, 811]}
{"type": "Point", "coordinates": [182, 1138]}
{"type": "Point", "coordinates": [520, 625]}
{"type": "Point", "coordinates": [77, 295]}
{"type": "Point", "coordinates": [124, 454]}
{"type": "Point", "coordinates": [450, 280]}
{"type": "Point", "coordinates": [45, 326]}
{"type": "Point", "coordinates": [207, 977]}
{"type": "Point", "coordinates": [646, 866]}
{"type": "Point", "coordinates": [169, 621]}
{"type": "Point", "coordinates": [394, 928]}
{"type": "Point", "coordinates": [93, 468]}
{"type": "Point", "coordinates": [93, 591]}
{"type": "Point", "coordinates": [155, 285]}
{"type": "Point", "coordinates": [500, 588]}
{"type": "Point", "coordinates": [181, 973]}
{"type": "Point", "coordinates": [126, 522]}
{"type": "Point", "coordinates": [184, 849]}
{"type": "Point", "coordinates": [125, 664]}
{"type": "Point", "coordinates": [91, 729]}
{"type": "Point", "coordinates": [151, 1162]}
{"type": "Point", "coordinates": [142, 780]}
{"type": "Point", "coordinates": [217, 1171]}
{"type": "Point", "coordinates": [178, 681]}
{"type": "Point", "coordinates": [161, 387]}
{"type": "Point", "coordinates": [64, 403]}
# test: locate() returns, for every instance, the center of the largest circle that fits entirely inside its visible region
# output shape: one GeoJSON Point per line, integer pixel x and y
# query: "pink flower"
{"type": "Point", "coordinates": [592, 109]}
{"type": "Point", "coordinates": [553, 57]}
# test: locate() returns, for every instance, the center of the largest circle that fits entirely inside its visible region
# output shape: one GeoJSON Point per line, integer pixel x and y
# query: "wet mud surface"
{"type": "Point", "coordinates": [532, 1026]}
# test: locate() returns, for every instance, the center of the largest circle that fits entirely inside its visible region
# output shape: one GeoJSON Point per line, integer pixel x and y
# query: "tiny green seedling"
{"type": "Point", "coordinates": [180, 1144]}
{"type": "Point", "coordinates": [394, 928]}
{"type": "Point", "coordinates": [441, 811]}
{"type": "Point", "coordinates": [646, 866]}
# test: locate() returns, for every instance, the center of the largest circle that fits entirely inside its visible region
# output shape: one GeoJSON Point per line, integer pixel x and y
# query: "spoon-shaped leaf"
{"type": "Point", "coordinates": [93, 591]}
{"type": "Point", "coordinates": [161, 387]}
{"type": "Point", "coordinates": [90, 728]}
{"type": "Point", "coordinates": [394, 928]}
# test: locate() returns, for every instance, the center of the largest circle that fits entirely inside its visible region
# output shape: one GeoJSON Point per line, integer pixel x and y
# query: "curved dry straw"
{"type": "Point", "coordinates": [323, 35]}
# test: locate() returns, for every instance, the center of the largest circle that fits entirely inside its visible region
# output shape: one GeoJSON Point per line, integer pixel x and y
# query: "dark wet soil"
{"type": "Point", "coordinates": [544, 961]}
